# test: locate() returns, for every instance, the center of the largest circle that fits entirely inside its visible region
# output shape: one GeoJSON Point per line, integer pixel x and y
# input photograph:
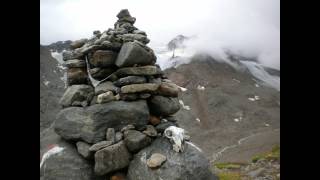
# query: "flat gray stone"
{"type": "Point", "coordinates": [111, 158]}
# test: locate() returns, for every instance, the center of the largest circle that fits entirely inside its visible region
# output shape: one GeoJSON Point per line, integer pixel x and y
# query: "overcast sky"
{"type": "Point", "coordinates": [251, 27]}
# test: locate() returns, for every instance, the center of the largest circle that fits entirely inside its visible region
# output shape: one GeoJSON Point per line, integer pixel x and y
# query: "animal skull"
{"type": "Point", "coordinates": [176, 136]}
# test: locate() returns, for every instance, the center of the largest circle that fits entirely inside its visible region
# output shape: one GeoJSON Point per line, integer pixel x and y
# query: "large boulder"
{"type": "Point", "coordinates": [188, 165]}
{"type": "Point", "coordinates": [163, 106]}
{"type": "Point", "coordinates": [111, 158]}
{"type": "Point", "coordinates": [90, 124]}
{"type": "Point", "coordinates": [77, 95]}
{"type": "Point", "coordinates": [132, 53]}
{"type": "Point", "coordinates": [103, 58]}
{"type": "Point", "coordinates": [63, 162]}
{"type": "Point", "coordinates": [138, 71]}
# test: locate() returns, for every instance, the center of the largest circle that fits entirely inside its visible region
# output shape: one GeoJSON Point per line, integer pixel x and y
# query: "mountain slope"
{"type": "Point", "coordinates": [51, 87]}
{"type": "Point", "coordinates": [223, 99]}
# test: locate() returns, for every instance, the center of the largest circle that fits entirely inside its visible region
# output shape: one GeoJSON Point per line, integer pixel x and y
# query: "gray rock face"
{"type": "Point", "coordinates": [103, 58]}
{"type": "Point", "coordinates": [75, 63]}
{"type": "Point", "coordinates": [100, 145]}
{"type": "Point", "coordinates": [132, 53]}
{"type": "Point", "coordinates": [189, 165]}
{"type": "Point", "coordinates": [163, 106]}
{"type": "Point", "coordinates": [77, 76]}
{"type": "Point", "coordinates": [83, 149]}
{"type": "Point", "coordinates": [138, 71]}
{"type": "Point", "coordinates": [67, 165]}
{"type": "Point", "coordinates": [111, 158]}
{"type": "Point", "coordinates": [130, 80]}
{"type": "Point", "coordinates": [138, 88]}
{"type": "Point", "coordinates": [77, 95]}
{"type": "Point", "coordinates": [90, 124]}
{"type": "Point", "coordinates": [135, 140]}
{"type": "Point", "coordinates": [105, 87]}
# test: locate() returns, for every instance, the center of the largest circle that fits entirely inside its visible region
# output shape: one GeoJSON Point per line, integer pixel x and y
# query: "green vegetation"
{"type": "Point", "coordinates": [273, 155]}
{"type": "Point", "coordinates": [227, 165]}
{"type": "Point", "coordinates": [229, 176]}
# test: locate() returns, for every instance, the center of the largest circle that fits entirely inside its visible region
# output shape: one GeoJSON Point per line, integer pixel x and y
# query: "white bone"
{"type": "Point", "coordinates": [176, 136]}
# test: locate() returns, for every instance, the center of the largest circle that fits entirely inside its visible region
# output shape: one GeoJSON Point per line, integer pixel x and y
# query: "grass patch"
{"type": "Point", "coordinates": [229, 176]}
{"type": "Point", "coordinates": [273, 155]}
{"type": "Point", "coordinates": [227, 165]}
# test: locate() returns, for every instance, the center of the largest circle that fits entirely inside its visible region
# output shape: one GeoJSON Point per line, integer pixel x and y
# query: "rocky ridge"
{"type": "Point", "coordinates": [118, 112]}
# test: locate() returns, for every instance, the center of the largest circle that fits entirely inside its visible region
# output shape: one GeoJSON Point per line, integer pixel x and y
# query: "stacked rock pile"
{"type": "Point", "coordinates": [118, 109]}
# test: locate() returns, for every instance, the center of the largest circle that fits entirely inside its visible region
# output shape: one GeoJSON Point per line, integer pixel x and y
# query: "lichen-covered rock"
{"type": "Point", "coordinates": [90, 124]}
{"type": "Point", "coordinates": [139, 88]}
{"type": "Point", "coordinates": [130, 80]}
{"type": "Point", "coordinates": [111, 158]}
{"type": "Point", "coordinates": [77, 95]}
{"type": "Point", "coordinates": [188, 165]}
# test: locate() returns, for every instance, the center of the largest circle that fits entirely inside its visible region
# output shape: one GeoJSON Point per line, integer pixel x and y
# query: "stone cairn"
{"type": "Point", "coordinates": [118, 109]}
